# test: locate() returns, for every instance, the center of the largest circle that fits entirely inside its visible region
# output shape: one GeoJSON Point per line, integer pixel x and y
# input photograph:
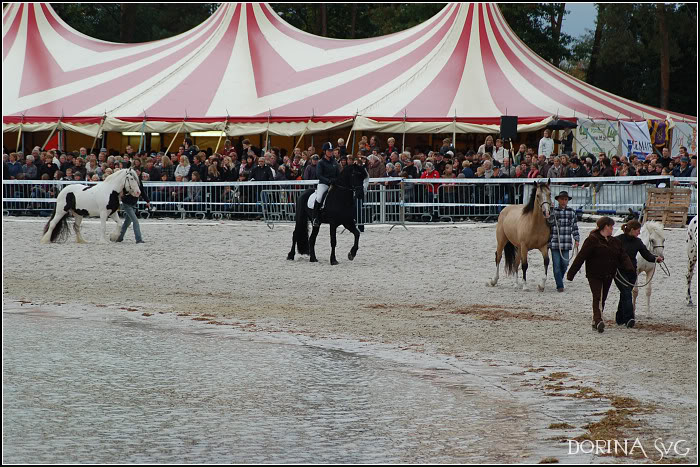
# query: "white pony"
{"type": "Point", "coordinates": [94, 200]}
{"type": "Point", "coordinates": [692, 248]}
{"type": "Point", "coordinates": [652, 235]}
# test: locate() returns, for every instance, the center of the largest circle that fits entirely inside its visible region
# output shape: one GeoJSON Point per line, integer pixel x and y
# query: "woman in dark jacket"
{"type": "Point", "coordinates": [632, 245]}
{"type": "Point", "coordinates": [603, 255]}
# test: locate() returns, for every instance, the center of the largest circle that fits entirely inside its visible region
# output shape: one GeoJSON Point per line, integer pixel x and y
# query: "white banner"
{"type": "Point", "coordinates": [684, 134]}
{"type": "Point", "coordinates": [635, 139]}
{"type": "Point", "coordinates": [596, 136]}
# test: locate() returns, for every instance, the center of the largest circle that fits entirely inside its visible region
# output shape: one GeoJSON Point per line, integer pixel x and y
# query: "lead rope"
{"type": "Point", "coordinates": [662, 265]}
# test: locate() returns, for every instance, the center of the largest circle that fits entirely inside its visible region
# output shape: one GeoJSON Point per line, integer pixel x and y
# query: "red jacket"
{"type": "Point", "coordinates": [434, 174]}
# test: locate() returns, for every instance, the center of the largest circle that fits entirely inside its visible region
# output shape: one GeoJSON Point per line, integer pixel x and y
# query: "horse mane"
{"type": "Point", "coordinates": [113, 174]}
{"type": "Point", "coordinates": [530, 206]}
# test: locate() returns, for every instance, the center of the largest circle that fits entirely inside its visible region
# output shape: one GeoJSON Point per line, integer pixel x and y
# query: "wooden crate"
{"type": "Point", "coordinates": [668, 206]}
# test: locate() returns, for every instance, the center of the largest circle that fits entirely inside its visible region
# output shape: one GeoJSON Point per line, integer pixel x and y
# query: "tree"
{"type": "Point", "coordinates": [665, 62]}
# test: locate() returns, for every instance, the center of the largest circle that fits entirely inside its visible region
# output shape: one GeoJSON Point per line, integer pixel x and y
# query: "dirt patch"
{"type": "Point", "coordinates": [147, 314]}
{"type": "Point", "coordinates": [549, 460]}
{"type": "Point", "coordinates": [560, 426]}
{"type": "Point", "coordinates": [668, 328]}
{"type": "Point", "coordinates": [498, 313]}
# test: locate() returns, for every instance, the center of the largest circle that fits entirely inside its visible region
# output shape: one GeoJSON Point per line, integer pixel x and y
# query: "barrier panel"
{"type": "Point", "coordinates": [393, 201]}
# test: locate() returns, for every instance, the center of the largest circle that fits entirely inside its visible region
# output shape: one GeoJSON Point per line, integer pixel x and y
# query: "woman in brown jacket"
{"type": "Point", "coordinates": [603, 255]}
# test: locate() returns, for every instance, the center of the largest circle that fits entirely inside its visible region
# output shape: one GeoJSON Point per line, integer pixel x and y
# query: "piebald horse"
{"type": "Point", "coordinates": [692, 248]}
{"type": "Point", "coordinates": [521, 228]}
{"type": "Point", "coordinates": [94, 200]}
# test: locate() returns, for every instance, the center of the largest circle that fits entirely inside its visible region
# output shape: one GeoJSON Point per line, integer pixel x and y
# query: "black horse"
{"type": "Point", "coordinates": [339, 209]}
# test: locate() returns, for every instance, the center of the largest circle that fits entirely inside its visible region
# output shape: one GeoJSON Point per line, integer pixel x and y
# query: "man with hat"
{"type": "Point", "coordinates": [563, 227]}
{"type": "Point", "coordinates": [683, 170]}
{"type": "Point", "coordinates": [327, 172]}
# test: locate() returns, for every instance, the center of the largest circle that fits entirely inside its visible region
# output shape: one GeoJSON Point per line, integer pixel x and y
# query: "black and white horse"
{"type": "Point", "coordinates": [94, 200]}
{"type": "Point", "coordinates": [692, 248]}
{"type": "Point", "coordinates": [339, 209]}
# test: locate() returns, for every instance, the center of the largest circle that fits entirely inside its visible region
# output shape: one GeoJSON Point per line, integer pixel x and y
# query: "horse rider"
{"type": "Point", "coordinates": [563, 227]}
{"type": "Point", "coordinates": [327, 171]}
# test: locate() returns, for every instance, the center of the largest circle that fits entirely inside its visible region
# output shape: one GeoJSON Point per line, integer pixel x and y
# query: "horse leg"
{"type": "Point", "coordinates": [501, 243]}
{"type": "Point", "coordinates": [290, 255]}
{"type": "Point", "coordinates": [523, 262]}
{"type": "Point", "coordinates": [635, 292]}
{"type": "Point", "coordinates": [334, 242]}
{"type": "Point", "coordinates": [76, 228]}
{"type": "Point", "coordinates": [649, 291]}
{"type": "Point", "coordinates": [103, 226]}
{"type": "Point", "coordinates": [689, 277]}
{"type": "Point", "coordinates": [113, 237]}
{"type": "Point", "coordinates": [59, 215]}
{"type": "Point", "coordinates": [545, 256]}
{"type": "Point", "coordinates": [356, 246]}
{"type": "Point", "coordinates": [312, 244]}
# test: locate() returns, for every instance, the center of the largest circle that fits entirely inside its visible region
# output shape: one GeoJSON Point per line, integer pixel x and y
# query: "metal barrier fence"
{"type": "Point", "coordinates": [392, 201]}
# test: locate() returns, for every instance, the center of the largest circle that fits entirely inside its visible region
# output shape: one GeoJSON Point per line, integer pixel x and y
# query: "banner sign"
{"type": "Point", "coordinates": [684, 134]}
{"type": "Point", "coordinates": [635, 139]}
{"type": "Point", "coordinates": [596, 136]}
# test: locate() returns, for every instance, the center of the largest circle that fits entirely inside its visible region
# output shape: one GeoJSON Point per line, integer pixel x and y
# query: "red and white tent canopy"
{"type": "Point", "coordinates": [247, 69]}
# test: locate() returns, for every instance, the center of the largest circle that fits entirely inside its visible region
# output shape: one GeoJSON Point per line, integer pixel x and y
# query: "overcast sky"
{"type": "Point", "coordinates": [581, 17]}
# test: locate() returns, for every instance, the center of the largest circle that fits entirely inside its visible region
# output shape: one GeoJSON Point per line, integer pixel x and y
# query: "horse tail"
{"type": "Point", "coordinates": [301, 230]}
{"type": "Point", "coordinates": [61, 232]}
{"type": "Point", "coordinates": [510, 251]}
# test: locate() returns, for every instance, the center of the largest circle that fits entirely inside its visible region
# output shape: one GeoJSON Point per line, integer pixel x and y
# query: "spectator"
{"type": "Point", "coordinates": [310, 170]}
{"type": "Point", "coordinates": [500, 153]}
{"type": "Point", "coordinates": [392, 147]}
{"type": "Point", "coordinates": [520, 155]}
{"type": "Point", "coordinates": [507, 169]}
{"type": "Point", "coordinates": [29, 169]}
{"type": "Point", "coordinates": [213, 174]}
{"type": "Point", "coordinates": [201, 166]}
{"type": "Point", "coordinates": [666, 157]}
{"type": "Point", "coordinates": [183, 168]}
{"type": "Point", "coordinates": [546, 147]}
{"type": "Point", "coordinates": [430, 172]}
{"type": "Point", "coordinates": [14, 166]}
{"type": "Point", "coordinates": [341, 147]}
{"type": "Point", "coordinates": [447, 147]}
{"type": "Point", "coordinates": [488, 146]}
{"type": "Point", "coordinates": [410, 169]}
{"type": "Point", "coordinates": [684, 169]}
{"type": "Point", "coordinates": [556, 170]}
{"type": "Point", "coordinates": [375, 168]}
{"type": "Point", "coordinates": [576, 171]}
{"type": "Point", "coordinates": [262, 172]}
{"type": "Point", "coordinates": [534, 172]}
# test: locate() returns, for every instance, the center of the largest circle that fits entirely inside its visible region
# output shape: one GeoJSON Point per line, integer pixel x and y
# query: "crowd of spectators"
{"type": "Point", "coordinates": [246, 162]}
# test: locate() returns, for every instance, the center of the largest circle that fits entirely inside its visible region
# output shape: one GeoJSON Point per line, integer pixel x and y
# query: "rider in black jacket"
{"type": "Point", "coordinates": [327, 171]}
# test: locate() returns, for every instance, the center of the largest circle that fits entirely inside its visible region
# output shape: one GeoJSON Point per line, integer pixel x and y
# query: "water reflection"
{"type": "Point", "coordinates": [106, 388]}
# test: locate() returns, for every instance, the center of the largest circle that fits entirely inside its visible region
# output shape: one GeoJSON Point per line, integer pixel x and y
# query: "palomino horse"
{"type": "Point", "coordinates": [94, 200]}
{"type": "Point", "coordinates": [692, 248]}
{"type": "Point", "coordinates": [521, 228]}
{"type": "Point", "coordinates": [652, 235]}
{"type": "Point", "coordinates": [339, 209]}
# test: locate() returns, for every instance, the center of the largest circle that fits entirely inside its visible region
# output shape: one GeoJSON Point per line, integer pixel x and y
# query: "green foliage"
{"type": "Point", "coordinates": [629, 62]}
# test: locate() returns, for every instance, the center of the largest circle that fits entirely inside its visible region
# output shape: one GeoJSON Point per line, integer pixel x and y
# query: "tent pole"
{"type": "Point", "coordinates": [58, 123]}
{"type": "Point", "coordinates": [301, 137]}
{"type": "Point", "coordinates": [220, 136]}
{"type": "Point", "coordinates": [19, 137]}
{"type": "Point", "coordinates": [174, 137]}
{"type": "Point", "coordinates": [99, 129]}
{"type": "Point", "coordinates": [403, 139]}
{"type": "Point", "coordinates": [349, 134]}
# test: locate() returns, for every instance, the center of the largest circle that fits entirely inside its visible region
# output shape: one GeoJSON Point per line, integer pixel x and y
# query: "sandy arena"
{"type": "Point", "coordinates": [422, 289]}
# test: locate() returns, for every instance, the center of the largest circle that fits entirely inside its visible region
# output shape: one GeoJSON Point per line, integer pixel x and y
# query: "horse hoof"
{"type": "Point", "coordinates": [540, 288]}
{"type": "Point", "coordinates": [334, 263]}
{"type": "Point", "coordinates": [351, 256]}
{"type": "Point", "coordinates": [313, 260]}
{"type": "Point", "coordinates": [290, 257]}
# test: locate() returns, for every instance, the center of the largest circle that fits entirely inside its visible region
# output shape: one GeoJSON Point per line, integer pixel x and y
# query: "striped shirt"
{"type": "Point", "coordinates": [563, 229]}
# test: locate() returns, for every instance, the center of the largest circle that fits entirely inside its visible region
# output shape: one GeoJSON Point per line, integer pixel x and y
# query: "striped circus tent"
{"type": "Point", "coordinates": [248, 71]}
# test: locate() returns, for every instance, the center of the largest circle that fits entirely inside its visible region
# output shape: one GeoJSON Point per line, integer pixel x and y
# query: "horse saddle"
{"type": "Point", "coordinates": [312, 200]}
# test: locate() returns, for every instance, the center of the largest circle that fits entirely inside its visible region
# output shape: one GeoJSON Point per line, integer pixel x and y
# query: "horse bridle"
{"type": "Point", "coordinates": [129, 176]}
